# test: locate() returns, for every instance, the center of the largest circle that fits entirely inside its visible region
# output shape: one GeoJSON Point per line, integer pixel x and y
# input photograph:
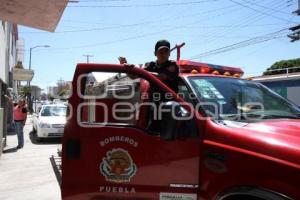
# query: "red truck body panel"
{"type": "Point", "coordinates": [264, 155]}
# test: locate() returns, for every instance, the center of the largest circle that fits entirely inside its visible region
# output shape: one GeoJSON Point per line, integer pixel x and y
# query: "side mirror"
{"type": "Point", "coordinates": [174, 116]}
{"type": "Point", "coordinates": [174, 122]}
{"type": "Point", "coordinates": [178, 110]}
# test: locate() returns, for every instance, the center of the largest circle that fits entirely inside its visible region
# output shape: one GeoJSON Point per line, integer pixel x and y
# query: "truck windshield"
{"type": "Point", "coordinates": [236, 99]}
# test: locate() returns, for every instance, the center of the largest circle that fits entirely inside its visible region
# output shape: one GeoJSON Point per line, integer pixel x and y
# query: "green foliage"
{"type": "Point", "coordinates": [49, 96]}
{"type": "Point", "coordinates": [64, 94]}
{"type": "Point", "coordinates": [24, 90]}
{"type": "Point", "coordinates": [19, 65]}
{"type": "Point", "coordinates": [281, 66]}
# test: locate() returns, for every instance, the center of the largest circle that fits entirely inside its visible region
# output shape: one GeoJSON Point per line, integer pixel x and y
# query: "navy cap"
{"type": "Point", "coordinates": [162, 44]}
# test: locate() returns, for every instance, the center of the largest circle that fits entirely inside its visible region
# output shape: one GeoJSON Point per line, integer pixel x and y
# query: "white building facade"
{"type": "Point", "coordinates": [8, 59]}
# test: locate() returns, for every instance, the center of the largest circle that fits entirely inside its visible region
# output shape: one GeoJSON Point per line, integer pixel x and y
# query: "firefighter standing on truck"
{"type": "Point", "coordinates": [167, 71]}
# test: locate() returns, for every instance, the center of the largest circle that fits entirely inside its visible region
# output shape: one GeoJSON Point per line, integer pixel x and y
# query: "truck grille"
{"type": "Point", "coordinates": [55, 134]}
{"type": "Point", "coordinates": [58, 125]}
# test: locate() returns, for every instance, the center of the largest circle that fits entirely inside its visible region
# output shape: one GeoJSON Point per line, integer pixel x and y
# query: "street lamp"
{"type": "Point", "coordinates": [28, 83]}
{"type": "Point", "coordinates": [45, 46]}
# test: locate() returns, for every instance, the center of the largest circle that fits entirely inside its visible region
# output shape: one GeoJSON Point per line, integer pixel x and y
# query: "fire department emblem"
{"type": "Point", "coordinates": [118, 166]}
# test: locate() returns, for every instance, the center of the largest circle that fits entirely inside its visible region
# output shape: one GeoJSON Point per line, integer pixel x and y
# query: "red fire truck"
{"type": "Point", "coordinates": [223, 137]}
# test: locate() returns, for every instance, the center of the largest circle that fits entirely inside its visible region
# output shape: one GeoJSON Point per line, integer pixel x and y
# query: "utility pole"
{"type": "Point", "coordinates": [295, 36]}
{"type": "Point", "coordinates": [87, 57]}
{"type": "Point", "coordinates": [60, 85]}
{"type": "Point", "coordinates": [296, 33]}
{"type": "Point", "coordinates": [298, 11]}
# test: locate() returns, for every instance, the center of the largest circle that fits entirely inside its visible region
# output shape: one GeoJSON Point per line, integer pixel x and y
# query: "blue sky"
{"type": "Point", "coordinates": [109, 28]}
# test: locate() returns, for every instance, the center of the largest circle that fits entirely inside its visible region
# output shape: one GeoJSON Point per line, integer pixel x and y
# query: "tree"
{"type": "Point", "coordinates": [23, 91]}
{"type": "Point", "coordinates": [50, 97]}
{"type": "Point", "coordinates": [19, 65]}
{"type": "Point", "coordinates": [62, 93]}
{"type": "Point", "coordinates": [282, 65]}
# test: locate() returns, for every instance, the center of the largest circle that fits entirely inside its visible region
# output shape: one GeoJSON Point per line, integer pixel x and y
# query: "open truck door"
{"type": "Point", "coordinates": [108, 151]}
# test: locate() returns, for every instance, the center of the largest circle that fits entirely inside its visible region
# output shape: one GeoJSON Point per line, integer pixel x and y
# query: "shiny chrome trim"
{"type": "Point", "coordinates": [254, 192]}
{"type": "Point", "coordinates": [183, 185]}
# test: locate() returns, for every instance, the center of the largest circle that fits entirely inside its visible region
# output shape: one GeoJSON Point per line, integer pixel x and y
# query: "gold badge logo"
{"type": "Point", "coordinates": [118, 166]}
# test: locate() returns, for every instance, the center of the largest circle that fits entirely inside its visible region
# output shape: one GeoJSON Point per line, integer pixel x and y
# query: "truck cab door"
{"type": "Point", "coordinates": [106, 154]}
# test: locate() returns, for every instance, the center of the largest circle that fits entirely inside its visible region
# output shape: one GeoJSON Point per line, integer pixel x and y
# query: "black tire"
{"type": "Point", "coordinates": [243, 197]}
{"type": "Point", "coordinates": [33, 129]}
{"type": "Point", "coordinates": [251, 193]}
{"type": "Point", "coordinates": [38, 139]}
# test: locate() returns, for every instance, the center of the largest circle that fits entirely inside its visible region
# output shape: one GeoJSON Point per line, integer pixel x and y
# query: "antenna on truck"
{"type": "Point", "coordinates": [178, 47]}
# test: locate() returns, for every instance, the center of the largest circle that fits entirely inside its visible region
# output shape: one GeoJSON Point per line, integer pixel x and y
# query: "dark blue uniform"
{"type": "Point", "coordinates": [170, 69]}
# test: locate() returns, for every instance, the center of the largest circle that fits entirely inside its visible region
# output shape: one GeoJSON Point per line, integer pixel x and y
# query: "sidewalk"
{"type": "Point", "coordinates": [27, 173]}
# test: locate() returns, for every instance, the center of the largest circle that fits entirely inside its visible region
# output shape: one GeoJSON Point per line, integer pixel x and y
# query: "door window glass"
{"type": "Point", "coordinates": [121, 99]}
{"type": "Point", "coordinates": [110, 98]}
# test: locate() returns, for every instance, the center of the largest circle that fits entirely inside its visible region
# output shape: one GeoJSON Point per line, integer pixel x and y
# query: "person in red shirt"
{"type": "Point", "coordinates": [20, 116]}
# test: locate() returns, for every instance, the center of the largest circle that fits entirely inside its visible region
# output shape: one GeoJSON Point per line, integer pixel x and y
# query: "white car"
{"type": "Point", "coordinates": [50, 121]}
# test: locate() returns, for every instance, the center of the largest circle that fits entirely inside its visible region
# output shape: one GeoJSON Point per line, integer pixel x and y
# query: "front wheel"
{"type": "Point", "coordinates": [33, 129]}
{"type": "Point", "coordinates": [38, 139]}
{"type": "Point", "coordinates": [244, 197]}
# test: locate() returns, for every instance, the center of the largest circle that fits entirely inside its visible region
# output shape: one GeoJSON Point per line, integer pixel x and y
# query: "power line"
{"type": "Point", "coordinates": [241, 44]}
{"type": "Point", "coordinates": [100, 1]}
{"type": "Point", "coordinates": [222, 26]}
{"type": "Point", "coordinates": [134, 24]}
{"type": "Point", "coordinates": [134, 37]}
{"type": "Point", "coordinates": [265, 7]}
{"type": "Point", "coordinates": [245, 22]}
{"type": "Point", "coordinates": [98, 29]}
{"type": "Point", "coordinates": [206, 54]}
{"type": "Point", "coordinates": [224, 36]}
{"type": "Point", "coordinates": [168, 18]}
{"type": "Point", "coordinates": [259, 11]}
{"type": "Point", "coordinates": [111, 42]}
{"type": "Point", "coordinates": [209, 18]}
{"type": "Point", "coordinates": [84, 22]}
{"type": "Point", "coordinates": [120, 40]}
{"type": "Point", "coordinates": [253, 17]}
{"type": "Point", "coordinates": [137, 36]}
{"type": "Point", "coordinates": [143, 5]}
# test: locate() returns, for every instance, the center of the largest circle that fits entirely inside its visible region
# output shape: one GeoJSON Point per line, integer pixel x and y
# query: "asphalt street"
{"type": "Point", "coordinates": [27, 173]}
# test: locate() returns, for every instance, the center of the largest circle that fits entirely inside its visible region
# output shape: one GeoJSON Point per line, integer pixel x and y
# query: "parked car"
{"type": "Point", "coordinates": [50, 121]}
{"type": "Point", "coordinates": [46, 102]}
{"type": "Point", "coordinates": [60, 101]}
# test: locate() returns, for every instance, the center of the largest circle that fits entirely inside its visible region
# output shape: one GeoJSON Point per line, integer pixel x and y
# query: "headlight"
{"type": "Point", "coordinates": [44, 125]}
